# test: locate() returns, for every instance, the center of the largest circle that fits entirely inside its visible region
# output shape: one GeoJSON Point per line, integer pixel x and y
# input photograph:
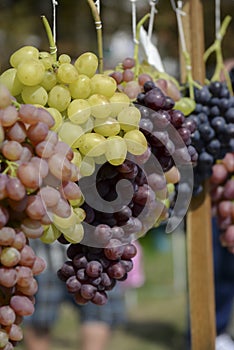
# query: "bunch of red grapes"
{"type": "Point", "coordinates": [222, 196]}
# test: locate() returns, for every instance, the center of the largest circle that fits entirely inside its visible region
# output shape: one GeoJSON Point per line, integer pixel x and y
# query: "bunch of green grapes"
{"type": "Point", "coordinates": [90, 115]}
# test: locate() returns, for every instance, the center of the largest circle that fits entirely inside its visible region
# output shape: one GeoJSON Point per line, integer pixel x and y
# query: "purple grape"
{"type": "Point", "coordinates": [94, 269]}
{"type": "Point", "coordinates": [80, 261]}
{"type": "Point", "coordinates": [73, 284]}
{"type": "Point", "coordinates": [100, 298]}
{"type": "Point", "coordinates": [155, 99]}
{"type": "Point", "coordinates": [116, 270]}
{"type": "Point", "coordinates": [129, 251]}
{"type": "Point", "coordinates": [87, 291]}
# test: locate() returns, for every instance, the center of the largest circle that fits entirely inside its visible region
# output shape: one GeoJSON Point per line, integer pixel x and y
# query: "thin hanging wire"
{"type": "Point", "coordinates": [54, 4]}
{"type": "Point", "coordinates": [153, 11]}
{"type": "Point", "coordinates": [217, 17]}
{"type": "Point", "coordinates": [53, 49]}
{"type": "Point", "coordinates": [134, 21]}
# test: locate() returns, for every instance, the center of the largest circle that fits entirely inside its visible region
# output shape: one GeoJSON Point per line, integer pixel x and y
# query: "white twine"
{"type": "Point", "coordinates": [134, 20]}
{"type": "Point", "coordinates": [54, 4]}
{"type": "Point", "coordinates": [97, 4]}
{"type": "Point", "coordinates": [179, 14]}
{"type": "Point", "coordinates": [152, 15]}
{"type": "Point", "coordinates": [217, 18]}
{"type": "Point", "coordinates": [98, 25]}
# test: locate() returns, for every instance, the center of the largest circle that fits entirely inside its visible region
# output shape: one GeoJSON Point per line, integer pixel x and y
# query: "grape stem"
{"type": "Point", "coordinates": [136, 45]}
{"type": "Point", "coordinates": [98, 24]}
{"type": "Point", "coordinates": [53, 47]}
{"type": "Point", "coordinates": [189, 77]}
{"type": "Point", "coordinates": [216, 48]}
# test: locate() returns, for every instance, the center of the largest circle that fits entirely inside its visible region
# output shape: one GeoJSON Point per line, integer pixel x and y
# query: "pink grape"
{"type": "Point", "coordinates": [8, 116]}
{"type": "Point", "coordinates": [38, 132]}
{"type": "Point", "coordinates": [38, 266]}
{"type": "Point", "coordinates": [15, 332]}
{"type": "Point", "coordinates": [15, 189]}
{"type": "Point", "coordinates": [8, 277]}
{"type": "Point", "coordinates": [28, 175]}
{"type": "Point", "coordinates": [17, 132]}
{"type": "Point", "coordinates": [27, 256]}
{"type": "Point", "coordinates": [7, 315]}
{"type": "Point", "coordinates": [32, 228]}
{"type": "Point", "coordinates": [128, 62]}
{"type": "Point", "coordinates": [12, 150]}
{"type": "Point", "coordinates": [7, 236]}
{"type": "Point", "coordinates": [22, 305]}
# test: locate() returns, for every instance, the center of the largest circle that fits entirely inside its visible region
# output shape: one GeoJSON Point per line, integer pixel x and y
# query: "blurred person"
{"type": "Point", "coordinates": [96, 322]}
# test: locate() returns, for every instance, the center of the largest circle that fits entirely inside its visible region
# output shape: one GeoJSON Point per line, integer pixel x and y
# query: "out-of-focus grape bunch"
{"type": "Point", "coordinates": [214, 135]}
{"type": "Point", "coordinates": [222, 196]}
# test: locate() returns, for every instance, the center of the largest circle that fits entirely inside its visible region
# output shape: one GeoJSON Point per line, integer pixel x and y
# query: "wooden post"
{"type": "Point", "coordinates": [199, 230]}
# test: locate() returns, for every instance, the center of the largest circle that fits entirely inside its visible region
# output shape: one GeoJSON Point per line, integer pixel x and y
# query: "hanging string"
{"type": "Point", "coordinates": [54, 4]}
{"type": "Point", "coordinates": [217, 18]}
{"type": "Point", "coordinates": [97, 4]}
{"type": "Point", "coordinates": [153, 11]}
{"type": "Point", "coordinates": [134, 21]}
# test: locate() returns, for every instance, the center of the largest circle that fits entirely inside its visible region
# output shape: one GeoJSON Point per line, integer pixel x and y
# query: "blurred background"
{"type": "Point", "coordinates": [158, 310]}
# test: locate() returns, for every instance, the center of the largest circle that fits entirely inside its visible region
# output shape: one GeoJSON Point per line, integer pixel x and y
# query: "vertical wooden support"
{"type": "Point", "coordinates": [199, 230]}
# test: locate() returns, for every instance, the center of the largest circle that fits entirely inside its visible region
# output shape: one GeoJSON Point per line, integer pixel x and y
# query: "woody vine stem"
{"type": "Point", "coordinates": [98, 24]}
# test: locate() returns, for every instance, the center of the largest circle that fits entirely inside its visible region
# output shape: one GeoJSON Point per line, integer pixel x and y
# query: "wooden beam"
{"type": "Point", "coordinates": [199, 229]}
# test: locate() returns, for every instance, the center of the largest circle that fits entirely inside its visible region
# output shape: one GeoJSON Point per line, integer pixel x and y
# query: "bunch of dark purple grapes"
{"type": "Point", "coordinates": [214, 136]}
{"type": "Point", "coordinates": [167, 130]}
{"type": "Point", "coordinates": [92, 271]}
{"type": "Point", "coordinates": [105, 254]}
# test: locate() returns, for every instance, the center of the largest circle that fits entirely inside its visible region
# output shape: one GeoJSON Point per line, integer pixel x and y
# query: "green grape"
{"type": "Point", "coordinates": [77, 158]}
{"type": "Point", "coordinates": [70, 133]}
{"type": "Point", "coordinates": [75, 235]}
{"type": "Point", "coordinates": [101, 159]}
{"type": "Point", "coordinates": [87, 64]}
{"type": "Point", "coordinates": [136, 142]}
{"type": "Point", "coordinates": [118, 102]}
{"type": "Point", "coordinates": [129, 118]}
{"type": "Point", "coordinates": [100, 106]}
{"type": "Point", "coordinates": [22, 54]}
{"type": "Point", "coordinates": [88, 125]}
{"type": "Point", "coordinates": [92, 144]}
{"type": "Point", "coordinates": [34, 95]}
{"type": "Point", "coordinates": [80, 88]}
{"type": "Point", "coordinates": [116, 150]}
{"type": "Point", "coordinates": [76, 202]}
{"type": "Point", "coordinates": [79, 111]}
{"type": "Point", "coordinates": [64, 58]}
{"type": "Point", "coordinates": [47, 62]}
{"type": "Point", "coordinates": [186, 105]}
{"type": "Point", "coordinates": [107, 127]}
{"type": "Point", "coordinates": [64, 223]}
{"type": "Point", "coordinates": [59, 97]}
{"type": "Point", "coordinates": [87, 166]}
{"type": "Point", "coordinates": [103, 85]}
{"type": "Point", "coordinates": [67, 73]}
{"type": "Point", "coordinates": [50, 234]}
{"type": "Point", "coordinates": [80, 214]}
{"type": "Point", "coordinates": [10, 80]}
{"type": "Point", "coordinates": [30, 72]}
{"type": "Point", "coordinates": [44, 54]}
{"type": "Point", "coordinates": [58, 119]}
{"type": "Point", "coordinates": [49, 80]}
